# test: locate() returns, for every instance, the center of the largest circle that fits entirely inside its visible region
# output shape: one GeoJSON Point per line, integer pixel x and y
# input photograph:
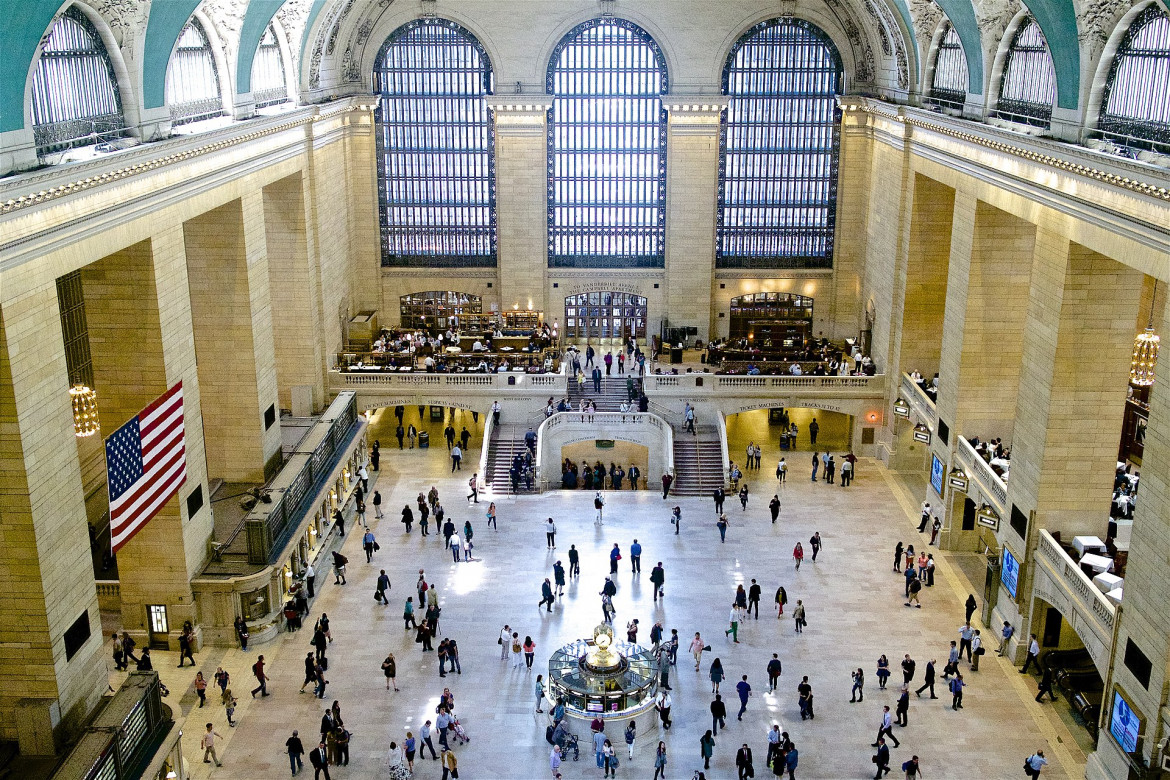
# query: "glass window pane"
{"type": "Point", "coordinates": [1136, 110]}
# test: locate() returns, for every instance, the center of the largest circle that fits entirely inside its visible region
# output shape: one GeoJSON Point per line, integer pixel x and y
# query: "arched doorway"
{"type": "Point", "coordinates": [437, 308]}
{"type": "Point", "coordinates": [605, 315]}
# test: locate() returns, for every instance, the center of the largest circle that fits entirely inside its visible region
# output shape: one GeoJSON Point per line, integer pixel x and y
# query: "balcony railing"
{"type": "Point", "coordinates": [698, 384]}
{"type": "Point", "coordinates": [991, 486]}
{"type": "Point", "coordinates": [603, 425]}
{"type": "Point", "coordinates": [1088, 597]}
{"type": "Point", "coordinates": [919, 401]}
{"type": "Point", "coordinates": [418, 381]}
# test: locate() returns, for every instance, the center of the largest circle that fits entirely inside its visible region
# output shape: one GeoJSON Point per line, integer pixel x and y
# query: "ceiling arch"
{"type": "Point", "coordinates": [163, 26]}
{"type": "Point", "coordinates": [1058, 22]}
{"type": "Point", "coordinates": [962, 16]}
{"type": "Point", "coordinates": [20, 36]}
{"type": "Point", "coordinates": [256, 21]}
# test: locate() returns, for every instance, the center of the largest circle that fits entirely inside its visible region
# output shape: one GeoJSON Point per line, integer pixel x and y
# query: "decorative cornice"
{"type": "Point", "coordinates": [78, 185]}
{"type": "Point", "coordinates": [987, 141]}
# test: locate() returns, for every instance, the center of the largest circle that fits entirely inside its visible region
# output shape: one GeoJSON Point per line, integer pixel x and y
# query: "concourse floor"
{"type": "Point", "coordinates": [855, 613]}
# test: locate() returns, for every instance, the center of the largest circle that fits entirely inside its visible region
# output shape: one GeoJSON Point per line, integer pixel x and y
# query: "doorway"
{"type": "Point", "coordinates": [158, 627]}
{"type": "Point", "coordinates": [605, 315]}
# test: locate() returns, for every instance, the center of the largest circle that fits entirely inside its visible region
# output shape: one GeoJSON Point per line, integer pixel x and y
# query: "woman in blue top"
{"type": "Point", "coordinates": [716, 675]}
{"type": "Point", "coordinates": [660, 762]}
{"type": "Point", "coordinates": [883, 671]}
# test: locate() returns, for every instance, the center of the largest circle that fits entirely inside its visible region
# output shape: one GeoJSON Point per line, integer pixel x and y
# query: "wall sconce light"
{"type": "Point", "coordinates": [873, 416]}
{"type": "Point", "coordinates": [85, 412]}
{"type": "Point", "coordinates": [922, 433]}
{"type": "Point", "coordinates": [902, 409]}
{"type": "Point", "coordinates": [987, 516]}
{"type": "Point", "coordinates": [333, 497]}
{"type": "Point", "coordinates": [958, 479]}
{"type": "Point", "coordinates": [515, 307]}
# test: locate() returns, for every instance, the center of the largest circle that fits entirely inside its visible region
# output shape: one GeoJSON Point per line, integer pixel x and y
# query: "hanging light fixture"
{"type": "Point", "coordinates": [85, 411]}
{"type": "Point", "coordinates": [1145, 351]}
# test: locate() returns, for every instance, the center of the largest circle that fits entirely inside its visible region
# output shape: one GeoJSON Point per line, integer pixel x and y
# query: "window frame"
{"type": "Point", "coordinates": [274, 95]}
{"type": "Point", "coordinates": [467, 223]}
{"type": "Point", "coordinates": [764, 247]}
{"type": "Point", "coordinates": [1132, 131]}
{"type": "Point", "coordinates": [54, 135]}
{"type": "Point", "coordinates": [193, 109]}
{"type": "Point", "coordinates": [634, 210]}
{"type": "Point", "coordinates": [1023, 110]}
{"type": "Point", "coordinates": [950, 46]}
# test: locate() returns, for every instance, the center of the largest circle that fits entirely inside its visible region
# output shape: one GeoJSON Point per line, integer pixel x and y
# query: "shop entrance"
{"type": "Point", "coordinates": [771, 429]}
{"type": "Point", "coordinates": [600, 316]}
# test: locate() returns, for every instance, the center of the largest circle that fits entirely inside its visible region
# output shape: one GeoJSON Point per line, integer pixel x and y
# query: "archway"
{"type": "Point", "coordinates": [771, 429]}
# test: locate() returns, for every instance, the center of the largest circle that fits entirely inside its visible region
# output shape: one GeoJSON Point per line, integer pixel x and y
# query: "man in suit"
{"type": "Point", "coordinates": [882, 759]}
{"type": "Point", "coordinates": [743, 762]}
{"type": "Point", "coordinates": [320, 761]}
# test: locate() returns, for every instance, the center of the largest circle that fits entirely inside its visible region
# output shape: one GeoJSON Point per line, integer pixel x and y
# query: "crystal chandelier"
{"type": "Point", "coordinates": [1145, 351]}
{"type": "Point", "coordinates": [85, 411]}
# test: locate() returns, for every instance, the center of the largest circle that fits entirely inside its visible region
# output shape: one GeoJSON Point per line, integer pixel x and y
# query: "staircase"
{"type": "Point", "coordinates": [698, 463]}
{"type": "Point", "coordinates": [613, 390]}
{"type": "Point", "coordinates": [506, 442]}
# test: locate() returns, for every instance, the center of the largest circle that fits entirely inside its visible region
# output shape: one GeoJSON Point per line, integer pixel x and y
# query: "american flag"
{"type": "Point", "coordinates": [146, 463]}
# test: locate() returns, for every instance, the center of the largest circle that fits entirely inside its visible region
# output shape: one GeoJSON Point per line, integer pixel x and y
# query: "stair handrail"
{"type": "Point", "coordinates": [721, 427]}
{"type": "Point", "coordinates": [489, 429]}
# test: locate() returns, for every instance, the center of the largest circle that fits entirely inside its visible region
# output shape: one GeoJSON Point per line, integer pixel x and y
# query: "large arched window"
{"type": "Point", "coordinates": [268, 84]}
{"type": "Point", "coordinates": [778, 167]}
{"type": "Point", "coordinates": [75, 92]}
{"type": "Point", "coordinates": [192, 78]}
{"type": "Point", "coordinates": [436, 176]}
{"type": "Point", "coordinates": [607, 148]}
{"type": "Point", "coordinates": [1029, 82]}
{"type": "Point", "coordinates": [949, 86]}
{"type": "Point", "coordinates": [1136, 104]}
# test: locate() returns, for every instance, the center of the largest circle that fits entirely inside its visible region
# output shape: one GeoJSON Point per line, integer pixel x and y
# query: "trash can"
{"type": "Point", "coordinates": [424, 440]}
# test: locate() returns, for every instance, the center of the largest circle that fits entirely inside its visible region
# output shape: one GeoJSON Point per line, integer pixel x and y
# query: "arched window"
{"type": "Point", "coordinates": [607, 148]}
{"type": "Point", "coordinates": [949, 87]}
{"type": "Point", "coordinates": [75, 92]}
{"type": "Point", "coordinates": [1029, 82]}
{"type": "Point", "coordinates": [1136, 105]}
{"type": "Point", "coordinates": [268, 85]}
{"type": "Point", "coordinates": [192, 78]}
{"type": "Point", "coordinates": [778, 167]}
{"type": "Point", "coordinates": [436, 173]}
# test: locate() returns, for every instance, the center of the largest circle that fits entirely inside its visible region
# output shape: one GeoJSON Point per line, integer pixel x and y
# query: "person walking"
{"type": "Point", "coordinates": [971, 605]}
{"type": "Point", "coordinates": [908, 667]}
{"type": "Point", "coordinates": [718, 714]}
{"type": "Point", "coordinates": [667, 479]}
{"type": "Point", "coordinates": [449, 763]}
{"type": "Point", "coordinates": [546, 595]}
{"type": "Point", "coordinates": [390, 670]}
{"type": "Point", "coordinates": [733, 629]}
{"type": "Point", "coordinates": [716, 674]}
{"type": "Point", "coordinates": [609, 758]}
{"type": "Point", "coordinates": [660, 762]}
{"type": "Point", "coordinates": [295, 750]}
{"type": "Point", "coordinates": [902, 709]}
{"type": "Point", "coordinates": [781, 600]}
{"type": "Point", "coordinates": [805, 699]}
{"type": "Point", "coordinates": [927, 680]}
{"type": "Point", "coordinates": [631, 735]}
{"type": "Point", "coordinates": [369, 544]}
{"type": "Point", "coordinates": [798, 616]}
{"type": "Point", "coordinates": [781, 471]}
{"type": "Point", "coordinates": [886, 727]}
{"type": "Point", "coordinates": [550, 534]}
{"type": "Point", "coordinates": [201, 688]}
{"type": "Point", "coordinates": [319, 759]}
{"type": "Point", "coordinates": [753, 599]}
{"type": "Point", "coordinates": [775, 669]}
{"type": "Point", "coordinates": [696, 649]}
{"type": "Point", "coordinates": [743, 763]}
{"type": "Point", "coordinates": [1045, 686]}
{"type": "Point", "coordinates": [956, 685]}
{"type": "Point", "coordinates": [574, 561]}
{"type": "Point", "coordinates": [663, 705]}
{"type": "Point", "coordinates": [1035, 763]}
{"type": "Point", "coordinates": [858, 686]}
{"type": "Point", "coordinates": [718, 495]}
{"type": "Point", "coordinates": [1033, 654]}
{"type": "Point", "coordinates": [743, 497]}
{"type": "Point", "coordinates": [539, 691]}
{"type": "Point", "coordinates": [815, 543]}
{"type": "Point", "coordinates": [707, 748]}
{"type": "Point", "coordinates": [529, 652]}
{"type": "Point", "coordinates": [745, 691]}
{"type": "Point", "coordinates": [261, 677]}
{"type": "Point", "coordinates": [882, 759]}
{"type": "Point", "coordinates": [424, 739]}
{"type": "Point", "coordinates": [208, 745]}
{"type": "Point", "coordinates": [798, 554]}
{"type": "Point", "coordinates": [774, 508]}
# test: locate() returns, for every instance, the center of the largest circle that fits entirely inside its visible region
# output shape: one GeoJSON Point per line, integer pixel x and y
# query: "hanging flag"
{"type": "Point", "coordinates": [146, 463]}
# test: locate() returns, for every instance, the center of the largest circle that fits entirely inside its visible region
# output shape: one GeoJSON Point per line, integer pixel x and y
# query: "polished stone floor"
{"type": "Point", "coordinates": [855, 613]}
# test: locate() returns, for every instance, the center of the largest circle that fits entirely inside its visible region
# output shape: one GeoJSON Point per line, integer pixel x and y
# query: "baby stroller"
{"type": "Point", "coordinates": [559, 735]}
{"type": "Point", "coordinates": [458, 732]}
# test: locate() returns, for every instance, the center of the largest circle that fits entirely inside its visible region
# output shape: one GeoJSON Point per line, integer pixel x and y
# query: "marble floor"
{"type": "Point", "coordinates": [855, 613]}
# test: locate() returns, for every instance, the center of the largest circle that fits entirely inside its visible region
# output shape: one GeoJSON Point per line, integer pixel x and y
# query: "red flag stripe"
{"type": "Point", "coordinates": [152, 503]}
{"type": "Point", "coordinates": [143, 518]}
{"type": "Point", "coordinates": [146, 486]}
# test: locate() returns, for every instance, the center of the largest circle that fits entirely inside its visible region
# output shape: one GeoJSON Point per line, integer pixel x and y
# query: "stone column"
{"type": "Point", "coordinates": [1145, 622]}
{"type": "Point", "coordinates": [926, 277]}
{"type": "Point", "coordinates": [843, 308]}
{"type": "Point", "coordinates": [139, 315]}
{"type": "Point", "coordinates": [296, 320]}
{"type": "Point", "coordinates": [987, 299]}
{"type": "Point", "coordinates": [522, 199]}
{"type": "Point", "coordinates": [692, 187]}
{"type": "Point", "coordinates": [46, 575]}
{"type": "Point", "coordinates": [1078, 341]}
{"type": "Point", "coordinates": [232, 316]}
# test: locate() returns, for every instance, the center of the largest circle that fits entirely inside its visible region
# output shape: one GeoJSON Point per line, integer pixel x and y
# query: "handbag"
{"type": "Point", "coordinates": [707, 648]}
{"type": "Point", "coordinates": [377, 595]}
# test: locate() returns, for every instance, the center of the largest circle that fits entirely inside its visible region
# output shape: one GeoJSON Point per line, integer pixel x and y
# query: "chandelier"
{"type": "Point", "coordinates": [1145, 351]}
{"type": "Point", "coordinates": [85, 411]}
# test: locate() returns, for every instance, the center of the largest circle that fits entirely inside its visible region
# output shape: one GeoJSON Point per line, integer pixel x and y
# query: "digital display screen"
{"type": "Point", "coordinates": [1010, 574]}
{"type": "Point", "coordinates": [936, 475]}
{"type": "Point", "coordinates": [1125, 724]}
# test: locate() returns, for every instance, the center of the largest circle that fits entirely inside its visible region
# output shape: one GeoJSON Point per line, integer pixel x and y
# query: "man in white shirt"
{"type": "Point", "coordinates": [1033, 655]}
{"type": "Point", "coordinates": [886, 729]}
